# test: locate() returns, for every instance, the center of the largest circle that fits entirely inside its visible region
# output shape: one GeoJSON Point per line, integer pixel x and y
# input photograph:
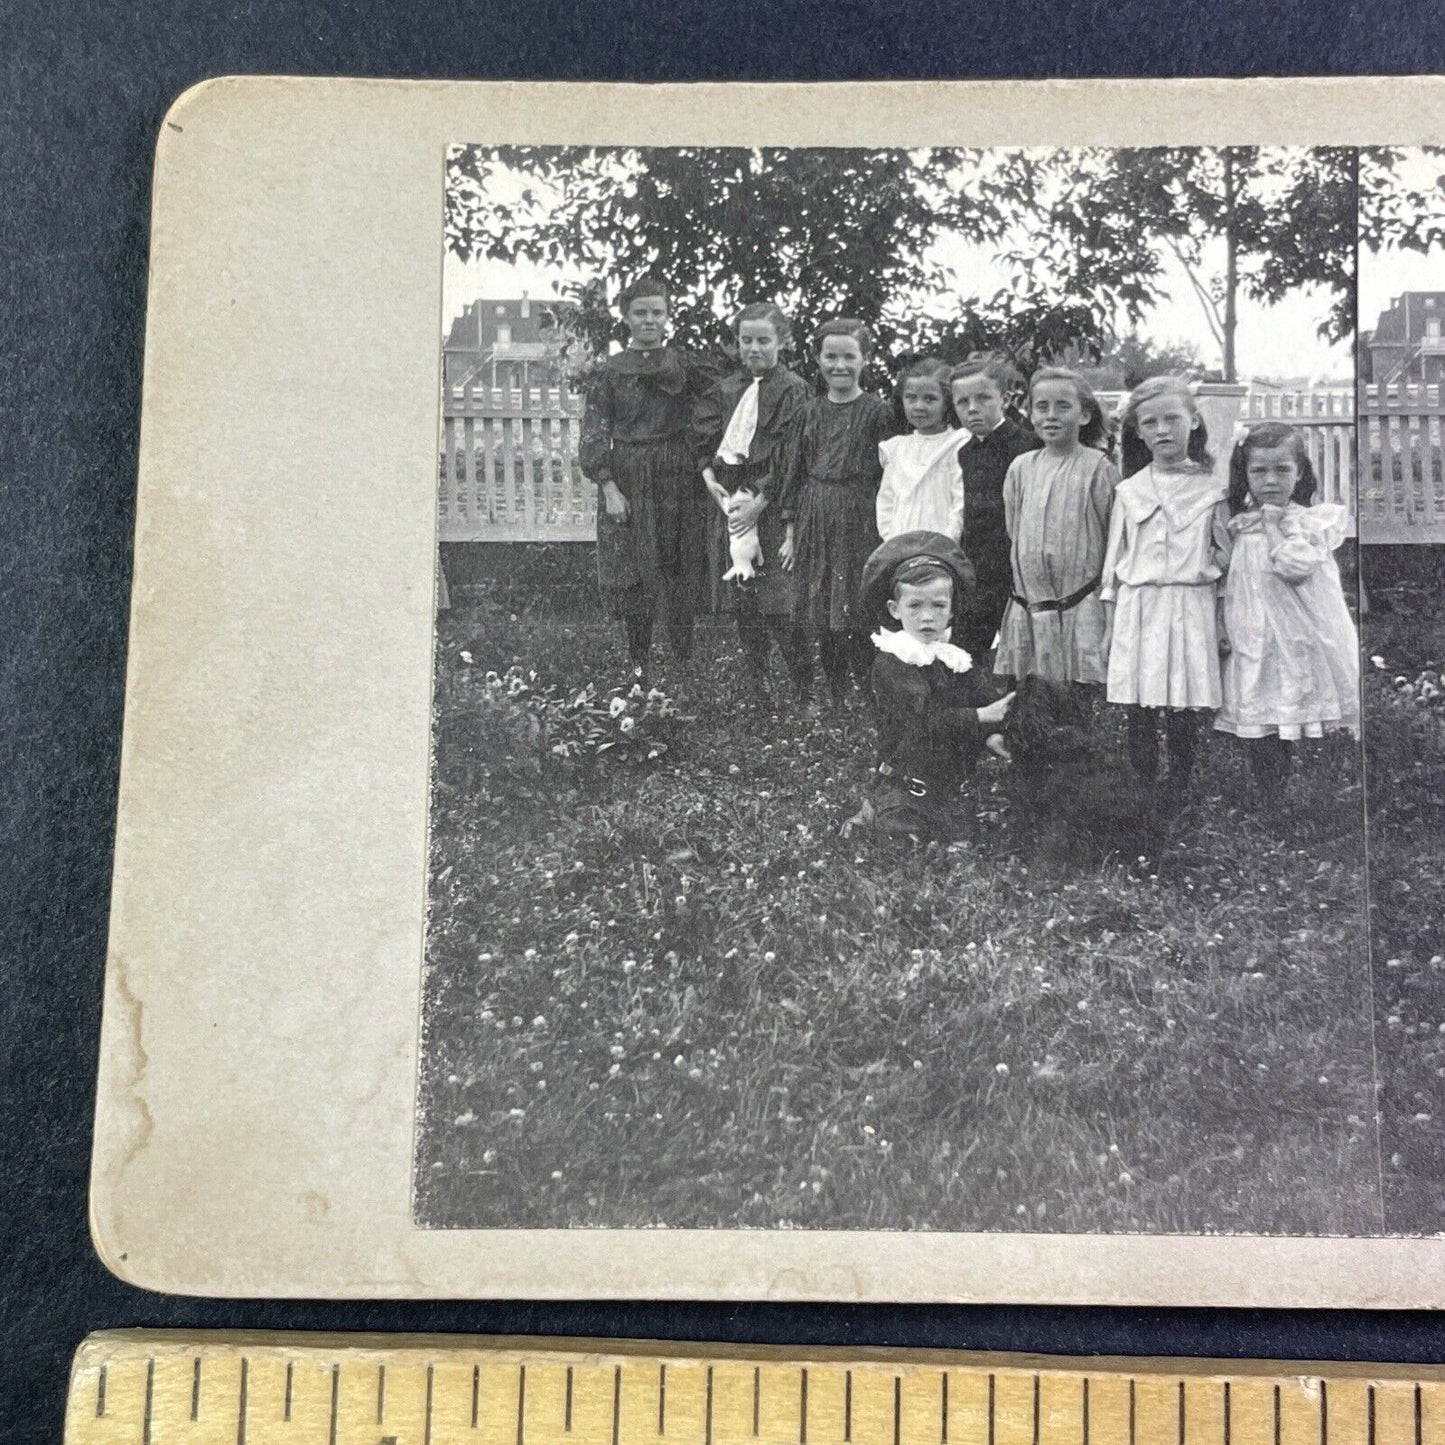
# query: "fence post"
{"type": "Point", "coordinates": [1221, 403]}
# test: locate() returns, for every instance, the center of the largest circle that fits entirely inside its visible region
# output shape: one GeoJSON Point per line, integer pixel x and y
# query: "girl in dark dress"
{"type": "Point", "coordinates": [981, 387]}
{"type": "Point", "coordinates": [638, 445]}
{"type": "Point", "coordinates": [744, 428]}
{"type": "Point", "coordinates": [829, 502]}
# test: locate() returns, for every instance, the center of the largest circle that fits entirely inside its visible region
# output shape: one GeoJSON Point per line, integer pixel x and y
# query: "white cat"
{"type": "Point", "coordinates": [744, 547]}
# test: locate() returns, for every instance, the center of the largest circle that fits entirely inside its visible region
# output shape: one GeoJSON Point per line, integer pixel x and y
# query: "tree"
{"type": "Point", "coordinates": [822, 232]}
{"type": "Point", "coordinates": [1402, 198]}
{"type": "Point", "coordinates": [1134, 358]}
{"type": "Point", "coordinates": [1286, 217]}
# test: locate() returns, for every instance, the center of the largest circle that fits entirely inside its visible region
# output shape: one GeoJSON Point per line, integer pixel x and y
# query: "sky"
{"type": "Point", "coordinates": [1279, 341]}
{"type": "Point", "coordinates": [1384, 275]}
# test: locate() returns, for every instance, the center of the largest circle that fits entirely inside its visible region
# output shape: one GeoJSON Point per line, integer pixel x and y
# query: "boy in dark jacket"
{"type": "Point", "coordinates": [981, 387]}
{"type": "Point", "coordinates": [935, 717]}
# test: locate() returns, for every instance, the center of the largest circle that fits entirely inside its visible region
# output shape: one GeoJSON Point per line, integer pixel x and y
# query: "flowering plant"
{"type": "Point", "coordinates": [529, 736]}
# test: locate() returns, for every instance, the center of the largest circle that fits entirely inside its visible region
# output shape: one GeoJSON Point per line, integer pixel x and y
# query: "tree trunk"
{"type": "Point", "coordinates": [1231, 264]}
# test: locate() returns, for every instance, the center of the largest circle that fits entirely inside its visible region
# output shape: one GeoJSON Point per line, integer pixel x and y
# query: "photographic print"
{"type": "Point", "coordinates": [1402, 524]}
{"type": "Point", "coordinates": [896, 718]}
{"type": "Point", "coordinates": [836, 699]}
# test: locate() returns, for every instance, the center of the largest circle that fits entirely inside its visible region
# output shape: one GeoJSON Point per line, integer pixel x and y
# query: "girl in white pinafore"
{"type": "Point", "coordinates": [1168, 549]}
{"type": "Point", "coordinates": [1293, 666]}
{"type": "Point", "coordinates": [922, 486]}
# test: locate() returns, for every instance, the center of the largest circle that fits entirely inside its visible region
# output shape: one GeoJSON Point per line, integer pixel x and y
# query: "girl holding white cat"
{"type": "Point", "coordinates": [744, 425]}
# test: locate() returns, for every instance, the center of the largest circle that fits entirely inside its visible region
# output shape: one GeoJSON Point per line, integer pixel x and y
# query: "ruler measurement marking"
{"type": "Point", "coordinates": [241, 1412]}
{"type": "Point", "coordinates": [154, 1404]}
{"type": "Point", "coordinates": [145, 1424]}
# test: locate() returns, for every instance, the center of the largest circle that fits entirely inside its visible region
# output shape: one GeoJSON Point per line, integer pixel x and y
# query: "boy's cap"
{"type": "Point", "coordinates": [883, 564]}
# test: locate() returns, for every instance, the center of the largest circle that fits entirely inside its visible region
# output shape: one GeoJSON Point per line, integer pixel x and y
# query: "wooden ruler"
{"type": "Point", "coordinates": [160, 1388]}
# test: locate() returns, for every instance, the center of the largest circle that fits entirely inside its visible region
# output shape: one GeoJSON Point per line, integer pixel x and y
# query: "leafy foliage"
{"type": "Point", "coordinates": [1288, 216]}
{"type": "Point", "coordinates": [1135, 358]}
{"type": "Point", "coordinates": [822, 232]}
{"type": "Point", "coordinates": [523, 739]}
{"type": "Point", "coordinates": [1396, 211]}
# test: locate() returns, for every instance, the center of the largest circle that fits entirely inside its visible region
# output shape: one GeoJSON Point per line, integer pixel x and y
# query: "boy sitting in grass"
{"type": "Point", "coordinates": [934, 715]}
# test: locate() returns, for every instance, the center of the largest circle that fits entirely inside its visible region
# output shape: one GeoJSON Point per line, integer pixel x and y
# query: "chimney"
{"type": "Point", "coordinates": [526, 306]}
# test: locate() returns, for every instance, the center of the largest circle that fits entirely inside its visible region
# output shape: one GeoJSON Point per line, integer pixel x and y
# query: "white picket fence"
{"type": "Point", "coordinates": [1402, 474]}
{"type": "Point", "coordinates": [509, 468]}
{"type": "Point", "coordinates": [1326, 421]}
{"type": "Point", "coordinates": [509, 472]}
{"type": "Point", "coordinates": [1325, 418]}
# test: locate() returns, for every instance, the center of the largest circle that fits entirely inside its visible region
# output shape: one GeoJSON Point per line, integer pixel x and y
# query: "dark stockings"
{"type": "Point", "coordinates": [677, 614]}
{"type": "Point", "coordinates": [639, 641]}
{"type": "Point", "coordinates": [844, 654]}
{"type": "Point", "coordinates": [758, 631]}
{"type": "Point", "coordinates": [1269, 760]}
{"type": "Point", "coordinates": [1181, 737]}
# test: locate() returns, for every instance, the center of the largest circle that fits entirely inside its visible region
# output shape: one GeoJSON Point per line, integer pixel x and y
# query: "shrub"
{"type": "Point", "coordinates": [520, 738]}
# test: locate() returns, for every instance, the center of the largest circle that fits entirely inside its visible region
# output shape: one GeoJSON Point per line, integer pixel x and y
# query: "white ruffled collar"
{"type": "Point", "coordinates": [921, 654]}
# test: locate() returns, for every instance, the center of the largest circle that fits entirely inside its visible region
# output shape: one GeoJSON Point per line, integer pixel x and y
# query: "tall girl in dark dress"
{"type": "Point", "coordinates": [639, 446]}
{"type": "Point", "coordinates": [745, 428]}
{"type": "Point", "coordinates": [829, 502]}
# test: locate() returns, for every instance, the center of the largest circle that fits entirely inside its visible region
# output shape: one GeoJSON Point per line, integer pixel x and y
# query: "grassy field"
{"type": "Point", "coordinates": [669, 993]}
{"type": "Point", "coordinates": [1405, 751]}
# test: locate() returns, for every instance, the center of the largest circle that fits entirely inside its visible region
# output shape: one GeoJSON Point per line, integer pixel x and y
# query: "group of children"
{"type": "Point", "coordinates": [1175, 593]}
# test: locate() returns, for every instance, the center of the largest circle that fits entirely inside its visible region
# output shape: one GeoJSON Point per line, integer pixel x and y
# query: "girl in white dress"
{"type": "Point", "coordinates": [1293, 666]}
{"type": "Point", "coordinates": [1168, 549]}
{"type": "Point", "coordinates": [922, 486]}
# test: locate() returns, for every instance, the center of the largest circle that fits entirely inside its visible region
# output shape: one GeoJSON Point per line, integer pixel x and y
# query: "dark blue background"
{"type": "Point", "coordinates": [85, 87]}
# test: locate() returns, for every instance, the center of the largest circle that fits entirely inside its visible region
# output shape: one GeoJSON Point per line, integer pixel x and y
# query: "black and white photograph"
{"type": "Point", "coordinates": [897, 715]}
{"type": "Point", "coordinates": [1402, 529]}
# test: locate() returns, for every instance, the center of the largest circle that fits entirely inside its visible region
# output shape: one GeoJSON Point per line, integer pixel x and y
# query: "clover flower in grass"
{"type": "Point", "coordinates": [617, 707]}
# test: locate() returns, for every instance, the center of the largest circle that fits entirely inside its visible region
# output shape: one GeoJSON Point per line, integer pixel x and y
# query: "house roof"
{"type": "Point", "coordinates": [1390, 326]}
{"type": "Point", "coordinates": [465, 334]}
